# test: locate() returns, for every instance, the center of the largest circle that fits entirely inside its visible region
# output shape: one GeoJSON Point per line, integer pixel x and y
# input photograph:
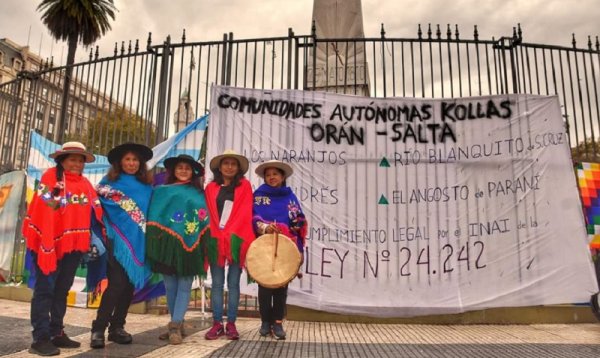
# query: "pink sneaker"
{"type": "Point", "coordinates": [216, 331]}
{"type": "Point", "coordinates": [231, 331]}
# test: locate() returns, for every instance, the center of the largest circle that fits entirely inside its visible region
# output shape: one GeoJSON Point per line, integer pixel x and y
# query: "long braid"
{"type": "Point", "coordinates": [59, 177]}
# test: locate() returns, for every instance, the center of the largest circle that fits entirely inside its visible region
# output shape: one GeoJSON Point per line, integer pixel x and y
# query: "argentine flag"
{"type": "Point", "coordinates": [187, 141]}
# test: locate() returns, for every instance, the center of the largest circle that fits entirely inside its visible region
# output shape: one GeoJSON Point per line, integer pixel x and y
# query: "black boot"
{"type": "Point", "coordinates": [119, 335]}
{"type": "Point", "coordinates": [97, 340]}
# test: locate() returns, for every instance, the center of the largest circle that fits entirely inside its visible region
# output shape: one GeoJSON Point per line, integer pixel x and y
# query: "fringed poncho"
{"type": "Point", "coordinates": [57, 225]}
{"type": "Point", "coordinates": [280, 206]}
{"type": "Point", "coordinates": [125, 202]}
{"type": "Point", "coordinates": [230, 244]}
{"type": "Point", "coordinates": [177, 225]}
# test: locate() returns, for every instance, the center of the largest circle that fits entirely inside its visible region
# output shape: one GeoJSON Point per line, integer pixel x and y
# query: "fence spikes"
{"type": "Point", "coordinates": [183, 37]}
{"type": "Point", "coordinates": [116, 48]}
{"type": "Point", "coordinates": [149, 43]}
{"type": "Point", "coordinates": [416, 65]}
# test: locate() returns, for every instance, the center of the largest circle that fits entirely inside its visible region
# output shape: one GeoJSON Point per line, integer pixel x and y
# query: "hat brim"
{"type": "Point", "coordinates": [171, 162]}
{"type": "Point", "coordinates": [216, 162]}
{"type": "Point", "coordinates": [284, 167]}
{"type": "Point", "coordinates": [115, 154]}
{"type": "Point", "coordinates": [89, 157]}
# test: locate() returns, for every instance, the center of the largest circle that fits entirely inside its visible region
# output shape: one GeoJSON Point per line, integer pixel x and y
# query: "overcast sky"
{"type": "Point", "coordinates": [542, 21]}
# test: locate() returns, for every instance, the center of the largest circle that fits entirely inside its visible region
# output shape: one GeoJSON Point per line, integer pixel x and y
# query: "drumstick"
{"type": "Point", "coordinates": [276, 244]}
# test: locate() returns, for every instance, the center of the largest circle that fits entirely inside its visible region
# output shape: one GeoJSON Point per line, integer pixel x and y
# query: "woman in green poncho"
{"type": "Point", "coordinates": [177, 224]}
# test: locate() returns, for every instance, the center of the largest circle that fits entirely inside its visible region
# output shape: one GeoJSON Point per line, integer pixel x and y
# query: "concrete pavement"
{"type": "Point", "coordinates": [314, 339]}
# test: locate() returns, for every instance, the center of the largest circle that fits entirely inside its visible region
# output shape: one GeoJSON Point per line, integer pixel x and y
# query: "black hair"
{"type": "Point", "coordinates": [218, 178]}
{"type": "Point", "coordinates": [60, 170]}
{"type": "Point", "coordinates": [143, 174]}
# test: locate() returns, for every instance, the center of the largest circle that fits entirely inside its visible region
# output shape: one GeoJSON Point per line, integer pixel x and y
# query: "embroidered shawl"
{"type": "Point", "coordinates": [177, 223]}
{"type": "Point", "coordinates": [280, 206]}
{"type": "Point", "coordinates": [230, 244]}
{"type": "Point", "coordinates": [57, 225]}
{"type": "Point", "coordinates": [125, 202]}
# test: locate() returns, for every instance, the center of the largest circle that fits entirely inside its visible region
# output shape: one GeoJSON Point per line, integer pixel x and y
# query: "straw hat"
{"type": "Point", "coordinates": [229, 153]}
{"type": "Point", "coordinates": [144, 153]}
{"type": "Point", "coordinates": [284, 167]}
{"type": "Point", "coordinates": [72, 148]}
{"type": "Point", "coordinates": [171, 162]}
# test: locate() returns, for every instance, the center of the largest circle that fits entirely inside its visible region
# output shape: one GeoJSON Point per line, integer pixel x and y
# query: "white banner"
{"type": "Point", "coordinates": [420, 206]}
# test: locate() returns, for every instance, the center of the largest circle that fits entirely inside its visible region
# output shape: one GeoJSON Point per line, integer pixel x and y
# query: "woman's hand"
{"type": "Point", "coordinates": [272, 228]}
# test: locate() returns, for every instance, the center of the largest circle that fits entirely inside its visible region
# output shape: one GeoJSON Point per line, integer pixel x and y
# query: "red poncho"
{"type": "Point", "coordinates": [57, 225]}
{"type": "Point", "coordinates": [233, 241]}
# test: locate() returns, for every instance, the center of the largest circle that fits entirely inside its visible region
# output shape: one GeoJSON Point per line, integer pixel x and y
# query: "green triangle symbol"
{"type": "Point", "coordinates": [383, 200]}
{"type": "Point", "coordinates": [384, 163]}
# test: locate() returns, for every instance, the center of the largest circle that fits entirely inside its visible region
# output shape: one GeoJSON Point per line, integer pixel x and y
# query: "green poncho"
{"type": "Point", "coordinates": [177, 225]}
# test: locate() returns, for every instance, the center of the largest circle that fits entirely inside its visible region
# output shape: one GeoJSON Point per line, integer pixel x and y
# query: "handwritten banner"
{"type": "Point", "coordinates": [420, 206]}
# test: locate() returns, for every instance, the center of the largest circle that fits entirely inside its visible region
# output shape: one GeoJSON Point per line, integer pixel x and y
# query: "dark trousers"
{"type": "Point", "coordinates": [271, 303]}
{"type": "Point", "coordinates": [116, 299]}
{"type": "Point", "coordinates": [49, 301]}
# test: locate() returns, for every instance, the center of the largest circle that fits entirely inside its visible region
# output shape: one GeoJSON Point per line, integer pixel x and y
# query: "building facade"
{"type": "Point", "coordinates": [30, 99]}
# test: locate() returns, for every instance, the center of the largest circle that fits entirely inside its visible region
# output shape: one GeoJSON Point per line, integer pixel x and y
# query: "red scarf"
{"type": "Point", "coordinates": [239, 223]}
{"type": "Point", "coordinates": [57, 225]}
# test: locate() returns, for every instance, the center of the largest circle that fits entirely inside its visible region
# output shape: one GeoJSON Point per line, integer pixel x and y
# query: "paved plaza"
{"type": "Point", "coordinates": [314, 339]}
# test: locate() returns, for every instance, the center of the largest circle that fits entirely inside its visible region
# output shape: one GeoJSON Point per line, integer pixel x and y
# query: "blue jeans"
{"type": "Point", "coordinates": [178, 295]}
{"type": "Point", "coordinates": [217, 275]}
{"type": "Point", "coordinates": [49, 301]}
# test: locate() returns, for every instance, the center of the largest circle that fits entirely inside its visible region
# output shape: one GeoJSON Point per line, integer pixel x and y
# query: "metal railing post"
{"type": "Point", "coordinates": [161, 115]}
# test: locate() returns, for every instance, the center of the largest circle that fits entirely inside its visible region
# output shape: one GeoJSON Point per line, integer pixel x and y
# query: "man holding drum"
{"type": "Point", "coordinates": [276, 211]}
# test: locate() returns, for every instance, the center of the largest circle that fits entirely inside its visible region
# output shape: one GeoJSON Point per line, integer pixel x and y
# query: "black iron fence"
{"type": "Point", "coordinates": [146, 94]}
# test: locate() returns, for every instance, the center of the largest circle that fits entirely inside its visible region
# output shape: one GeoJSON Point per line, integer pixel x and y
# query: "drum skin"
{"type": "Point", "coordinates": [269, 268]}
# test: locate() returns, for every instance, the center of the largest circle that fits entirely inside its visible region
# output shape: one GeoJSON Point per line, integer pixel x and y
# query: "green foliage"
{"type": "Point", "coordinates": [75, 21]}
{"type": "Point", "coordinates": [587, 151]}
{"type": "Point", "coordinates": [87, 20]}
{"type": "Point", "coordinates": [109, 129]}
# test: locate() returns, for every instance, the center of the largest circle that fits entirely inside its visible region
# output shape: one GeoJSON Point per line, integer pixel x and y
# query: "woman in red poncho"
{"type": "Point", "coordinates": [229, 202]}
{"type": "Point", "coordinates": [57, 231]}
